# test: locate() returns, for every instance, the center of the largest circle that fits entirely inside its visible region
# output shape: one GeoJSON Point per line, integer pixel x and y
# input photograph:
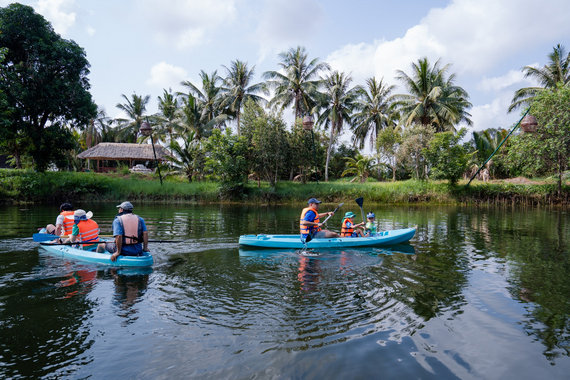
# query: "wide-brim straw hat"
{"type": "Point", "coordinates": [79, 213]}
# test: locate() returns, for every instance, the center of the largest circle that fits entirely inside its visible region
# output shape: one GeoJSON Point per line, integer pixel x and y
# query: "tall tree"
{"type": "Point", "coordinates": [238, 88]}
{"type": "Point", "coordinates": [135, 109]}
{"type": "Point", "coordinates": [336, 105]}
{"type": "Point", "coordinates": [374, 111]}
{"type": "Point", "coordinates": [433, 99]}
{"type": "Point", "coordinates": [297, 82]}
{"type": "Point", "coordinates": [209, 97]}
{"type": "Point", "coordinates": [556, 71]}
{"type": "Point", "coordinates": [167, 117]}
{"type": "Point", "coordinates": [44, 79]}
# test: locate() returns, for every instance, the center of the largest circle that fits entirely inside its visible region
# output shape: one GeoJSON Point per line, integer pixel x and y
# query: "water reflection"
{"type": "Point", "coordinates": [130, 286]}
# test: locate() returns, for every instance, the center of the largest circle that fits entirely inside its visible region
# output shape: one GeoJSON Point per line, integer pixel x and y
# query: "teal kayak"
{"type": "Point", "coordinates": [99, 258]}
{"type": "Point", "coordinates": [383, 238]}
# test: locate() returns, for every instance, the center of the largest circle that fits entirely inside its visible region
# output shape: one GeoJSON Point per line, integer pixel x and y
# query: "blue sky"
{"type": "Point", "coordinates": [145, 46]}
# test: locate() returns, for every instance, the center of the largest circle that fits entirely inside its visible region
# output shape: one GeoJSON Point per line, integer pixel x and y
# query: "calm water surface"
{"type": "Point", "coordinates": [478, 293]}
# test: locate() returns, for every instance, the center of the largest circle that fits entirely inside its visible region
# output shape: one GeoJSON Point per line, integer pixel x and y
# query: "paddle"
{"type": "Point", "coordinates": [42, 237]}
{"type": "Point", "coordinates": [103, 241]}
{"type": "Point", "coordinates": [360, 202]}
{"type": "Point", "coordinates": [309, 237]}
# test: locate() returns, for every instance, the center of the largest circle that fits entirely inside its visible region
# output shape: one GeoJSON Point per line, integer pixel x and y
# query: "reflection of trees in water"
{"type": "Point", "coordinates": [46, 332]}
{"type": "Point", "coordinates": [535, 242]}
{"type": "Point", "coordinates": [129, 289]}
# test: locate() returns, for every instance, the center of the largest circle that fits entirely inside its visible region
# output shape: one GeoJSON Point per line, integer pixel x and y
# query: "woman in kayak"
{"type": "Point", "coordinates": [310, 222]}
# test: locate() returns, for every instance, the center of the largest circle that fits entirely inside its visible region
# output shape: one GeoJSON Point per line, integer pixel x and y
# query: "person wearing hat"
{"type": "Point", "coordinates": [310, 223]}
{"type": "Point", "coordinates": [348, 226]}
{"type": "Point", "coordinates": [84, 229]}
{"type": "Point", "coordinates": [63, 225]}
{"type": "Point", "coordinates": [129, 230]}
{"type": "Point", "coordinates": [370, 225]}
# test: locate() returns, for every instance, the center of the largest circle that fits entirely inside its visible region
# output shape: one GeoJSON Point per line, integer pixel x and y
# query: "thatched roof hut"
{"type": "Point", "coordinates": [124, 152]}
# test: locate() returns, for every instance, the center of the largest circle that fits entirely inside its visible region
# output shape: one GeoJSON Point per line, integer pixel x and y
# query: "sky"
{"type": "Point", "coordinates": [146, 46]}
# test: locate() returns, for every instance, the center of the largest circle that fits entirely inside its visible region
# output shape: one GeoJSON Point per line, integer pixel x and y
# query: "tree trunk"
{"type": "Point", "coordinates": [329, 153]}
{"type": "Point", "coordinates": [394, 173]}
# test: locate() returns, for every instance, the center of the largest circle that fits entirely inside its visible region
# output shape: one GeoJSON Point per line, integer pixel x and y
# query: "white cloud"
{"type": "Point", "coordinates": [186, 23]}
{"type": "Point", "coordinates": [286, 23]}
{"type": "Point", "coordinates": [473, 35]}
{"type": "Point", "coordinates": [514, 78]}
{"type": "Point", "coordinates": [165, 75]}
{"type": "Point", "coordinates": [90, 31]}
{"type": "Point", "coordinates": [57, 12]}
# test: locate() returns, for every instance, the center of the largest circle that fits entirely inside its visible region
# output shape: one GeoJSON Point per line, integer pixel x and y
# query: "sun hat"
{"type": "Point", "coordinates": [349, 214]}
{"type": "Point", "coordinates": [80, 214]}
{"type": "Point", "coordinates": [126, 206]}
{"type": "Point", "coordinates": [313, 200]}
{"type": "Point", "coordinates": [370, 215]}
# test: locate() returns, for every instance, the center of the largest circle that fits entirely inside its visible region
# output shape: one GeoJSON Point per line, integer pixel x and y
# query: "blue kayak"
{"type": "Point", "coordinates": [384, 238]}
{"type": "Point", "coordinates": [70, 252]}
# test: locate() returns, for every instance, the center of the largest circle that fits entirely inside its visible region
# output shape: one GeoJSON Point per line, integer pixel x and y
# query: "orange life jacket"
{"type": "Point", "coordinates": [67, 223]}
{"type": "Point", "coordinates": [130, 223]}
{"type": "Point", "coordinates": [88, 230]}
{"type": "Point", "coordinates": [346, 231]}
{"type": "Point", "coordinates": [308, 229]}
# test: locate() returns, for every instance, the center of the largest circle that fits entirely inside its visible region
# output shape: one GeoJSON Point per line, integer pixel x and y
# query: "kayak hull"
{"type": "Point", "coordinates": [384, 238]}
{"type": "Point", "coordinates": [69, 252]}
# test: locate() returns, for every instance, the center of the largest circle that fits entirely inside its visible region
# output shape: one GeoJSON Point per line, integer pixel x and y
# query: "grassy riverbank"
{"type": "Point", "coordinates": [20, 186]}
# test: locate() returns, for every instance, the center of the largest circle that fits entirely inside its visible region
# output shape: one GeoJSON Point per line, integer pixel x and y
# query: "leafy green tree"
{"type": "Point", "coordinates": [360, 166]}
{"type": "Point", "coordinates": [305, 152]}
{"type": "Point", "coordinates": [387, 145]}
{"type": "Point", "coordinates": [298, 82]}
{"type": "Point", "coordinates": [226, 159]}
{"type": "Point", "coordinates": [433, 99]}
{"type": "Point", "coordinates": [485, 143]}
{"type": "Point", "coordinates": [555, 72]}
{"type": "Point", "coordinates": [374, 112]}
{"type": "Point", "coordinates": [447, 156]}
{"type": "Point", "coordinates": [238, 88]}
{"type": "Point", "coordinates": [188, 156]}
{"type": "Point", "coordinates": [44, 79]}
{"type": "Point", "coordinates": [547, 150]}
{"type": "Point", "coordinates": [336, 104]}
{"type": "Point", "coordinates": [411, 151]}
{"type": "Point", "coordinates": [338, 159]}
{"type": "Point", "coordinates": [135, 109]}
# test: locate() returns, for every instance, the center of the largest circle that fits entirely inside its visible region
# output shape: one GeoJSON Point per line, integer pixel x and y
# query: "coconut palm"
{"type": "Point", "coordinates": [360, 166]}
{"type": "Point", "coordinates": [297, 82]}
{"type": "Point", "coordinates": [556, 71]}
{"type": "Point", "coordinates": [374, 111]}
{"type": "Point", "coordinates": [433, 100]}
{"type": "Point", "coordinates": [166, 119]}
{"type": "Point", "coordinates": [135, 109]}
{"type": "Point", "coordinates": [191, 118]}
{"type": "Point", "coordinates": [336, 105]}
{"type": "Point", "coordinates": [237, 88]}
{"type": "Point", "coordinates": [210, 95]}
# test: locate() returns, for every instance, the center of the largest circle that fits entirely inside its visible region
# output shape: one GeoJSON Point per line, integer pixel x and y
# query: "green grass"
{"type": "Point", "coordinates": [53, 187]}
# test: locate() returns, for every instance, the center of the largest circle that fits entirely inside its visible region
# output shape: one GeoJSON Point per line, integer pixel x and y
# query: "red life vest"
{"type": "Point", "coordinates": [308, 229]}
{"type": "Point", "coordinates": [130, 223]}
{"type": "Point", "coordinates": [67, 223]}
{"type": "Point", "coordinates": [88, 230]}
{"type": "Point", "coordinates": [346, 231]}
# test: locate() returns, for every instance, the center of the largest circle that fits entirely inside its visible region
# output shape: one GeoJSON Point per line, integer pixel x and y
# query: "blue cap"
{"type": "Point", "coordinates": [370, 215]}
{"type": "Point", "coordinates": [313, 200]}
{"type": "Point", "coordinates": [126, 206]}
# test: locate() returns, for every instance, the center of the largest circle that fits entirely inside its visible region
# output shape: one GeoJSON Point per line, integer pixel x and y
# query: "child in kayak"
{"type": "Point", "coordinates": [349, 229]}
{"type": "Point", "coordinates": [370, 225]}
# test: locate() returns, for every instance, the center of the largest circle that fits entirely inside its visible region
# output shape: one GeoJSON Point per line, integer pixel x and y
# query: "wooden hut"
{"type": "Point", "coordinates": [131, 153]}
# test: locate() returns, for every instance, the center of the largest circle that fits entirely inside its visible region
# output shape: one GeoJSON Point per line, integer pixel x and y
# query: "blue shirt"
{"type": "Point", "coordinates": [310, 217]}
{"type": "Point", "coordinates": [135, 249]}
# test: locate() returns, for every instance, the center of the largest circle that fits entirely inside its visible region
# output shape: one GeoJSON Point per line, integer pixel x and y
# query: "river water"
{"type": "Point", "coordinates": [478, 293]}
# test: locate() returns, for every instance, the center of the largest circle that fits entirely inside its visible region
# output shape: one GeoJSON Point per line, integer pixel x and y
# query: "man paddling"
{"type": "Point", "coordinates": [129, 231]}
{"type": "Point", "coordinates": [310, 222]}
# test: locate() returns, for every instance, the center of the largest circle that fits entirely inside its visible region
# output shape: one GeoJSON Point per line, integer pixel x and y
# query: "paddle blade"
{"type": "Point", "coordinates": [41, 237]}
{"type": "Point", "coordinates": [359, 201]}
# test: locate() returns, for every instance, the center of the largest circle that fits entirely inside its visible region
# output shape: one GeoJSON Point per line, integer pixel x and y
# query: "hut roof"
{"type": "Point", "coordinates": [120, 151]}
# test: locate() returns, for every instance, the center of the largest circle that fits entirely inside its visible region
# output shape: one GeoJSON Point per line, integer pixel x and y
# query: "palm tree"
{"type": "Point", "coordinates": [556, 71]}
{"type": "Point", "coordinates": [336, 104]}
{"type": "Point", "coordinates": [167, 117]}
{"type": "Point", "coordinates": [210, 95]}
{"type": "Point", "coordinates": [192, 118]}
{"type": "Point", "coordinates": [135, 109]}
{"type": "Point", "coordinates": [361, 166]}
{"type": "Point", "coordinates": [432, 100]}
{"type": "Point", "coordinates": [374, 111]}
{"type": "Point", "coordinates": [298, 82]}
{"type": "Point", "coordinates": [237, 88]}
